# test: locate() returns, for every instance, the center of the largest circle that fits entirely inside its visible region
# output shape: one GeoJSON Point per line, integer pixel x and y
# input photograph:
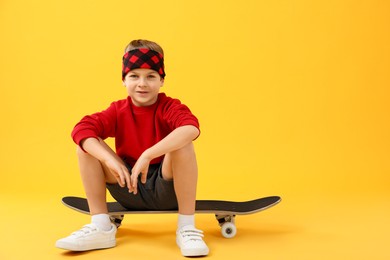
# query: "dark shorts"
{"type": "Point", "coordinates": [155, 194]}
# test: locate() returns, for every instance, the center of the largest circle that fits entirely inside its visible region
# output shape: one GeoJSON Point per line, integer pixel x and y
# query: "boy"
{"type": "Point", "coordinates": [154, 166]}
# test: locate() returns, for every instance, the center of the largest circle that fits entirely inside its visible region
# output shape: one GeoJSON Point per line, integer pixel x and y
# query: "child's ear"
{"type": "Point", "coordinates": [123, 83]}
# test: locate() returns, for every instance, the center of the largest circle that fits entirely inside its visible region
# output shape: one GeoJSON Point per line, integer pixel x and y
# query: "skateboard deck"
{"type": "Point", "coordinates": [225, 211]}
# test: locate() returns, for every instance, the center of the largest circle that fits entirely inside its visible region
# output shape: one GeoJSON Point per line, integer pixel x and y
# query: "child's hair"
{"type": "Point", "coordinates": [138, 44]}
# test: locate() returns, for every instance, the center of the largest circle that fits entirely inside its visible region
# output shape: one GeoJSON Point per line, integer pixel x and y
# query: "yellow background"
{"type": "Point", "coordinates": [292, 97]}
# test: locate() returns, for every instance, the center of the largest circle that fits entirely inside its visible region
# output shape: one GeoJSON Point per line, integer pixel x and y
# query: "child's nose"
{"type": "Point", "coordinates": [142, 82]}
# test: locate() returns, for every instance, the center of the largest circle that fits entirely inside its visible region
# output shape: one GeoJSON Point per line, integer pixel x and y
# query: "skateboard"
{"type": "Point", "coordinates": [225, 211]}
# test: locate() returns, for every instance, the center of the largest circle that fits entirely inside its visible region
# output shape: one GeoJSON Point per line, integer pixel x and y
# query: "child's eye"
{"type": "Point", "coordinates": [151, 76]}
{"type": "Point", "coordinates": [133, 76]}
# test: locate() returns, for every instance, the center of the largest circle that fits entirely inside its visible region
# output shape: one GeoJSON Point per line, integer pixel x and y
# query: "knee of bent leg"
{"type": "Point", "coordinates": [189, 148]}
{"type": "Point", "coordinates": [80, 152]}
{"type": "Point", "coordinates": [186, 151]}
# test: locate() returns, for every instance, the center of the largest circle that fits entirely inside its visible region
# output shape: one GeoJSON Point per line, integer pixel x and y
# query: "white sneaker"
{"type": "Point", "coordinates": [88, 238]}
{"type": "Point", "coordinates": [190, 241]}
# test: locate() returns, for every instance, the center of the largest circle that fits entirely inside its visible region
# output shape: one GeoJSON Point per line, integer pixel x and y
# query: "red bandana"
{"type": "Point", "coordinates": [144, 59]}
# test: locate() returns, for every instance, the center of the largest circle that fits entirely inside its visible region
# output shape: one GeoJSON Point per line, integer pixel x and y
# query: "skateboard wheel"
{"type": "Point", "coordinates": [228, 230]}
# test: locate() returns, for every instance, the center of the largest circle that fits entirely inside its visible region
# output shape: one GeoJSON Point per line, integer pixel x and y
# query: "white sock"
{"type": "Point", "coordinates": [185, 220]}
{"type": "Point", "coordinates": [102, 221]}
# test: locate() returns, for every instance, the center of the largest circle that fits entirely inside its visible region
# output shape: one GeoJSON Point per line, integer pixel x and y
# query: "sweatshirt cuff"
{"type": "Point", "coordinates": [78, 137]}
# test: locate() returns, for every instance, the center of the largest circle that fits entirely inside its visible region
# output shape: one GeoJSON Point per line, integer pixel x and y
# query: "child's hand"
{"type": "Point", "coordinates": [101, 151]}
{"type": "Point", "coordinates": [120, 172]}
{"type": "Point", "coordinates": [140, 167]}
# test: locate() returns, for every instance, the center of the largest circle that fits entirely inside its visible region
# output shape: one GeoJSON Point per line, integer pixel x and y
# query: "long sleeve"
{"type": "Point", "coordinates": [101, 124]}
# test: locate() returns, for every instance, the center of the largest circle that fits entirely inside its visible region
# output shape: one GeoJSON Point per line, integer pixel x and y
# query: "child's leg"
{"type": "Point", "coordinates": [181, 165]}
{"type": "Point", "coordinates": [94, 176]}
{"type": "Point", "coordinates": [101, 232]}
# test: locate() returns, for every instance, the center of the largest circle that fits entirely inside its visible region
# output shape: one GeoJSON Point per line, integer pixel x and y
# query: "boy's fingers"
{"type": "Point", "coordinates": [134, 181]}
{"type": "Point", "coordinates": [143, 177]}
{"type": "Point", "coordinates": [122, 178]}
{"type": "Point", "coordinates": [130, 186]}
{"type": "Point", "coordinates": [126, 178]}
{"type": "Point", "coordinates": [118, 177]}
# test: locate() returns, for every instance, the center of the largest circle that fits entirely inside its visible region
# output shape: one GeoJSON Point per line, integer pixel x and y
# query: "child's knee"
{"type": "Point", "coordinates": [185, 155]}
{"type": "Point", "coordinates": [189, 148]}
{"type": "Point", "coordinates": [186, 151]}
{"type": "Point", "coordinates": [80, 152]}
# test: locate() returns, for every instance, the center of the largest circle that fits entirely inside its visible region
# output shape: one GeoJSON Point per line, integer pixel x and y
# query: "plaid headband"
{"type": "Point", "coordinates": [143, 58]}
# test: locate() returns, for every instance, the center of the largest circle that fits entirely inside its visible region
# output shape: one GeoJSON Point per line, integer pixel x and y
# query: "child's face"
{"type": "Point", "coordinates": [143, 86]}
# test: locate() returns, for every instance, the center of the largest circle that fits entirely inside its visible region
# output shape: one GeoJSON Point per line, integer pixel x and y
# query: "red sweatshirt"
{"type": "Point", "coordinates": [135, 129]}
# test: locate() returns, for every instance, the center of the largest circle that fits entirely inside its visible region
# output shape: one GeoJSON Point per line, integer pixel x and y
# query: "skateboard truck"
{"type": "Point", "coordinates": [117, 220]}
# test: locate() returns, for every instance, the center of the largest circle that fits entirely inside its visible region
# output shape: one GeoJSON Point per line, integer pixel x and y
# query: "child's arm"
{"type": "Point", "coordinates": [109, 158]}
{"type": "Point", "coordinates": [177, 139]}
